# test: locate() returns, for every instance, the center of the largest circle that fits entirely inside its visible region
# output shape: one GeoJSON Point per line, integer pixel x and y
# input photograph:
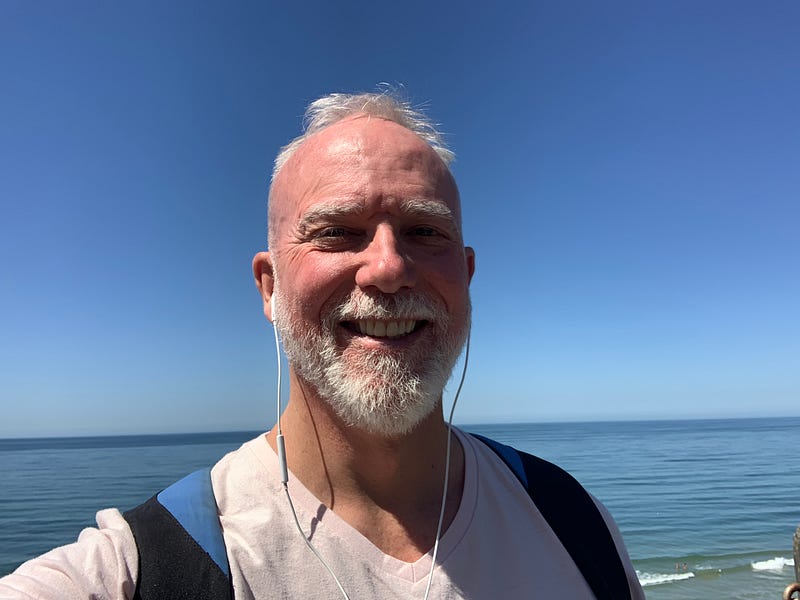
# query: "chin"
{"type": "Point", "coordinates": [389, 425]}
{"type": "Point", "coordinates": [386, 409]}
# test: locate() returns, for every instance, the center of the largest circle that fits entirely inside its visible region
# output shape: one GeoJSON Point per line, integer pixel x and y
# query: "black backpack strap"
{"type": "Point", "coordinates": [179, 539]}
{"type": "Point", "coordinates": [574, 517]}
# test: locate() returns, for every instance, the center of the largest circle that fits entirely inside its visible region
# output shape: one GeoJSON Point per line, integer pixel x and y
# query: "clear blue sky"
{"type": "Point", "coordinates": [629, 174]}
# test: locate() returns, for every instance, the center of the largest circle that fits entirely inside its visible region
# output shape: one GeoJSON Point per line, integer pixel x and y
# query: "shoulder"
{"type": "Point", "coordinates": [241, 478]}
{"type": "Point", "coordinates": [102, 563]}
{"type": "Point", "coordinates": [580, 521]}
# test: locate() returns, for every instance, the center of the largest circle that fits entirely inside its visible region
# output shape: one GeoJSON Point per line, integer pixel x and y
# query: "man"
{"type": "Point", "coordinates": [366, 281]}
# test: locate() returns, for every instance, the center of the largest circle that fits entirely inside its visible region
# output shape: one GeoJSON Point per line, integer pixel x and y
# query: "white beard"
{"type": "Point", "coordinates": [382, 393]}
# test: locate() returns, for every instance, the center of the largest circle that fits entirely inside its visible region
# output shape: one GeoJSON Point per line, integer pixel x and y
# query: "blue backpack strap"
{"type": "Point", "coordinates": [574, 517]}
{"type": "Point", "coordinates": [191, 501]}
{"type": "Point", "coordinates": [179, 539]}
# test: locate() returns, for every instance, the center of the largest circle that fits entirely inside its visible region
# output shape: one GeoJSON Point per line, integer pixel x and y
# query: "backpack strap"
{"type": "Point", "coordinates": [574, 517]}
{"type": "Point", "coordinates": [179, 540]}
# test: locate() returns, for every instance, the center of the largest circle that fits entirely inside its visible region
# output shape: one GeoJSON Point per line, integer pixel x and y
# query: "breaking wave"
{"type": "Point", "coordinates": [648, 579]}
{"type": "Point", "coordinates": [703, 569]}
{"type": "Point", "coordinates": [773, 564]}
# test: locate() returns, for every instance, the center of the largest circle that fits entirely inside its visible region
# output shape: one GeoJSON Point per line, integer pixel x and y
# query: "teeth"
{"type": "Point", "coordinates": [386, 329]}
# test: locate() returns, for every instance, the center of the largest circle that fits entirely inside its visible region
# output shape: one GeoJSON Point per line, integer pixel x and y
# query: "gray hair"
{"type": "Point", "coordinates": [387, 105]}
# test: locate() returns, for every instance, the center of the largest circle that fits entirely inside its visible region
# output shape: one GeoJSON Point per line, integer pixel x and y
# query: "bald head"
{"type": "Point", "coordinates": [343, 162]}
{"type": "Point", "coordinates": [331, 109]}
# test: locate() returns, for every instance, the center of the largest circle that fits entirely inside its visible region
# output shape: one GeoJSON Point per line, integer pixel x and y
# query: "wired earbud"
{"type": "Point", "coordinates": [281, 445]}
{"type": "Point", "coordinates": [279, 438]}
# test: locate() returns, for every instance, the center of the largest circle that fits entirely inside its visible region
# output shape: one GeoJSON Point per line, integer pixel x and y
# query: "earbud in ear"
{"type": "Point", "coordinates": [272, 306]}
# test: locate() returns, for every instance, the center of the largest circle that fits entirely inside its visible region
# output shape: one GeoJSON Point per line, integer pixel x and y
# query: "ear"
{"type": "Point", "coordinates": [469, 254]}
{"type": "Point", "coordinates": [265, 280]}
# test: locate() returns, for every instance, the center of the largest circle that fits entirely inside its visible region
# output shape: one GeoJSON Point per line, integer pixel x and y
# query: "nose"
{"type": "Point", "coordinates": [385, 265]}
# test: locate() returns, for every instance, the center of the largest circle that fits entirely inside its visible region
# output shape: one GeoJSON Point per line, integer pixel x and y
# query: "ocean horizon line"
{"type": "Point", "coordinates": [227, 434]}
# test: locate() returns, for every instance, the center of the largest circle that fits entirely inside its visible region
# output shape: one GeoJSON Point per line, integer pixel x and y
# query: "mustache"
{"type": "Point", "coordinates": [408, 305]}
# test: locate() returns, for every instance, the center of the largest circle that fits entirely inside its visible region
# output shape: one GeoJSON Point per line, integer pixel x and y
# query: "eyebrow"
{"type": "Point", "coordinates": [326, 211]}
{"type": "Point", "coordinates": [423, 208]}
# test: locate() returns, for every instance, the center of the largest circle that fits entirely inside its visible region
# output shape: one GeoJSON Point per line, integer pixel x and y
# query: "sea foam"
{"type": "Point", "coordinates": [648, 579]}
{"type": "Point", "coordinates": [773, 564]}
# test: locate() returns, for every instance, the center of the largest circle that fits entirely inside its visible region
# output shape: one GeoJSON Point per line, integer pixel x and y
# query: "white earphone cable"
{"type": "Point", "coordinates": [446, 471]}
{"type": "Point", "coordinates": [285, 470]}
{"type": "Point", "coordinates": [283, 464]}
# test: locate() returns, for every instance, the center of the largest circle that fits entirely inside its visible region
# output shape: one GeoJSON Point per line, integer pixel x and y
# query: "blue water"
{"type": "Point", "coordinates": [721, 496]}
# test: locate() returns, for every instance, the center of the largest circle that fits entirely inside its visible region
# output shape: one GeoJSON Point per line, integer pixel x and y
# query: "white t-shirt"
{"type": "Point", "coordinates": [498, 545]}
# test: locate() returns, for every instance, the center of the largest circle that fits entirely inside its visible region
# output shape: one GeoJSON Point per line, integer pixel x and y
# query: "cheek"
{"type": "Point", "coordinates": [312, 284]}
{"type": "Point", "coordinates": [451, 280]}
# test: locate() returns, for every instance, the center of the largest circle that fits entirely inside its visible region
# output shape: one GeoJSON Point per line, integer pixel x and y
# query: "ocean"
{"type": "Point", "coordinates": [707, 508]}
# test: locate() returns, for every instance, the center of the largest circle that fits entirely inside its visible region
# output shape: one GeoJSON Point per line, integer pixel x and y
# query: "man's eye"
{"type": "Point", "coordinates": [425, 231]}
{"type": "Point", "coordinates": [331, 232]}
{"type": "Point", "coordinates": [335, 238]}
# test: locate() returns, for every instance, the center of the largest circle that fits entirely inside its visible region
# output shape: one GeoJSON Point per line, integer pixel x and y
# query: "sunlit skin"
{"type": "Point", "coordinates": [367, 205]}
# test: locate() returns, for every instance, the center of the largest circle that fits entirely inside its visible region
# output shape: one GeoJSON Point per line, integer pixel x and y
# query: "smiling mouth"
{"type": "Point", "coordinates": [384, 329]}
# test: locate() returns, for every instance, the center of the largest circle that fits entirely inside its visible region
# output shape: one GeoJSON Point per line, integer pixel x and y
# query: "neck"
{"type": "Point", "coordinates": [389, 488]}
